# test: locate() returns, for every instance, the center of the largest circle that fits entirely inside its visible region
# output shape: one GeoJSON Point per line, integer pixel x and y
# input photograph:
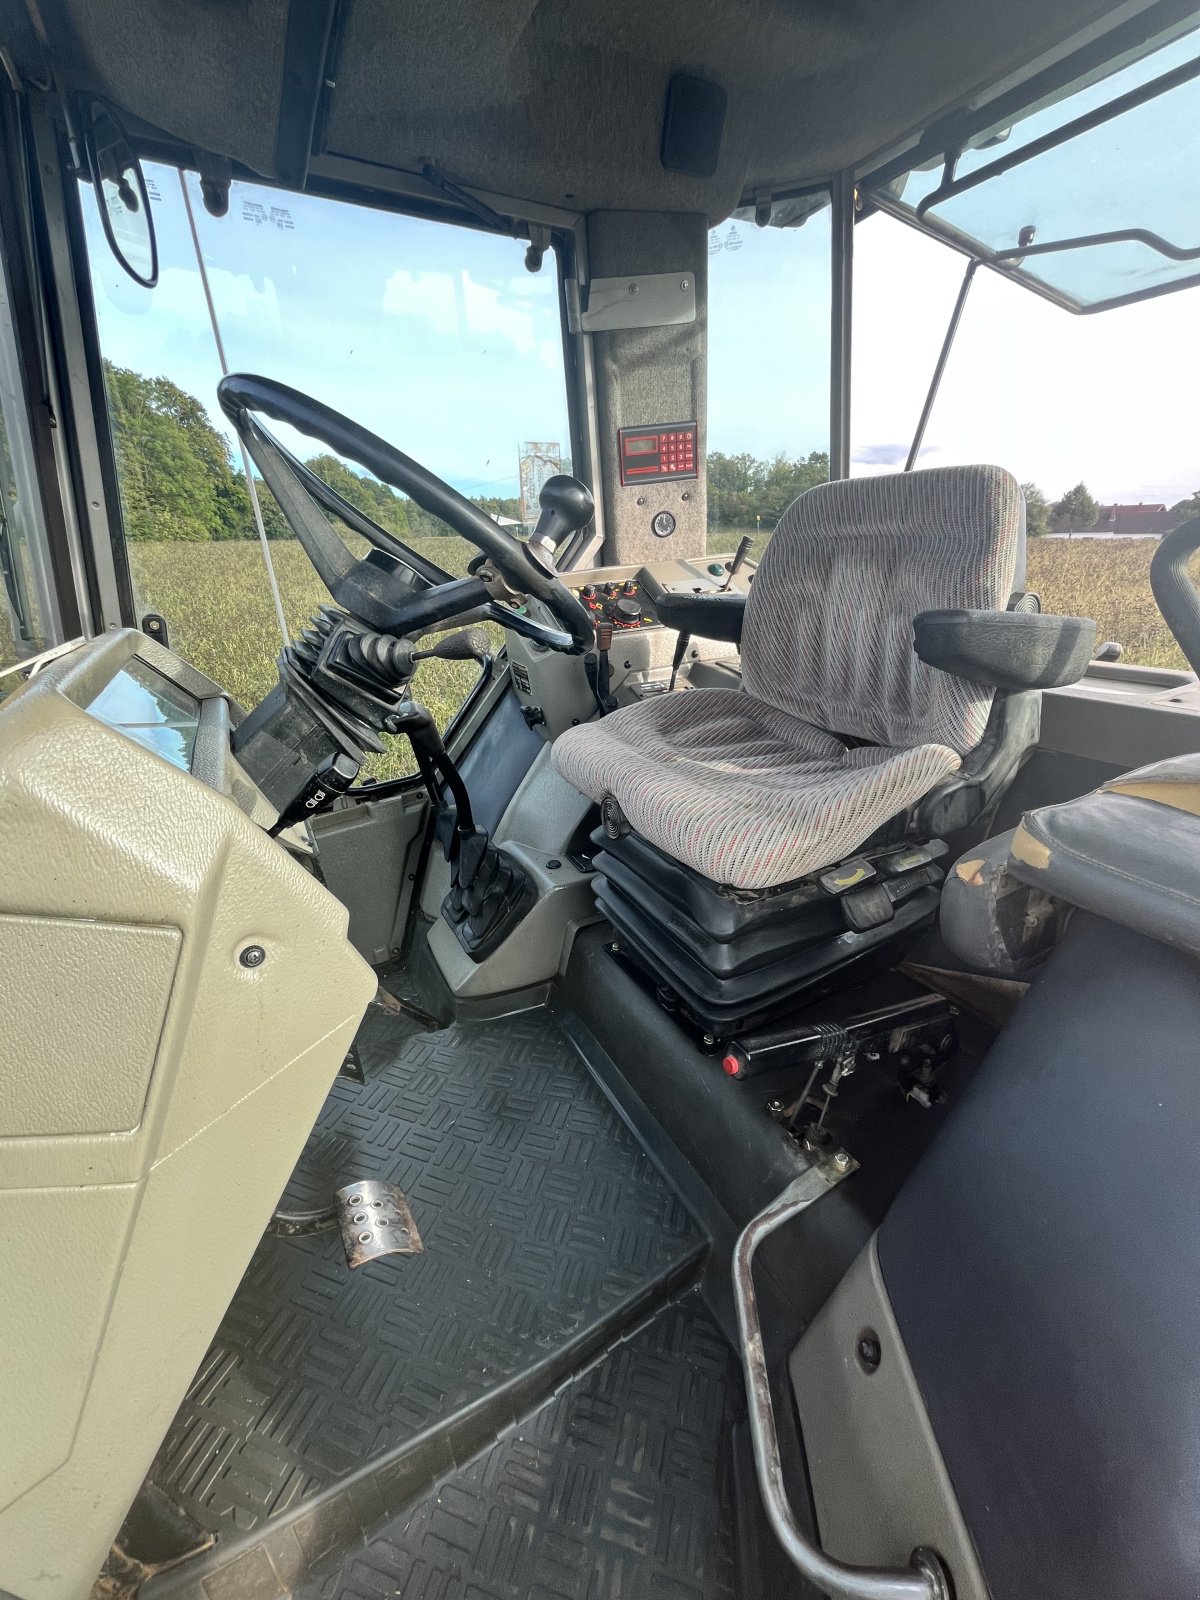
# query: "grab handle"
{"type": "Point", "coordinates": [925, 1578]}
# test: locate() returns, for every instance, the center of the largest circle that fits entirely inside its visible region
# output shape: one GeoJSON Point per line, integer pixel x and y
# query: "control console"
{"type": "Point", "coordinates": [556, 692]}
{"type": "Point", "coordinates": [628, 597]}
{"type": "Point", "coordinates": [623, 603]}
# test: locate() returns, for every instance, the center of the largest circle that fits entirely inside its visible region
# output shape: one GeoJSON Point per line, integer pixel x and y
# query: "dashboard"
{"type": "Point", "coordinates": [554, 690]}
{"type": "Point", "coordinates": [628, 597]}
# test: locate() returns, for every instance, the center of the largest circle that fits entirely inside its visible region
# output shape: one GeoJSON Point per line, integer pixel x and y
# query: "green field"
{"type": "Point", "coordinates": [218, 606]}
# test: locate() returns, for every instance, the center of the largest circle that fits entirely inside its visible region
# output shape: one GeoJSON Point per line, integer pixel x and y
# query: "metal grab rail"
{"type": "Point", "coordinates": [925, 1578]}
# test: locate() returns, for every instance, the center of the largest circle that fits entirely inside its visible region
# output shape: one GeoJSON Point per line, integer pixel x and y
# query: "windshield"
{"type": "Point", "coordinates": [1122, 198]}
{"type": "Point", "coordinates": [434, 336]}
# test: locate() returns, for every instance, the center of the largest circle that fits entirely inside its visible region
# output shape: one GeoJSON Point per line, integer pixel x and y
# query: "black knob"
{"type": "Point", "coordinates": [609, 590]}
{"type": "Point", "coordinates": [588, 591]}
{"type": "Point", "coordinates": [629, 587]}
{"type": "Point", "coordinates": [566, 506]}
{"type": "Point", "coordinates": [628, 610]}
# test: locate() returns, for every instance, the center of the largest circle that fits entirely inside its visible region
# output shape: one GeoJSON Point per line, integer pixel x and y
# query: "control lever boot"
{"type": "Point", "coordinates": [491, 894]}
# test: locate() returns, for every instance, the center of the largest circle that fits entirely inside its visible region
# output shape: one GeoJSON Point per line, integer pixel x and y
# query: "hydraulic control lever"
{"type": "Point", "coordinates": [738, 562]}
{"type": "Point", "coordinates": [597, 669]}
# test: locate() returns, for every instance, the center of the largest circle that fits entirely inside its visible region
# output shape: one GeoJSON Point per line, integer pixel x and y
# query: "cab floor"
{"type": "Point", "coordinates": [619, 1487]}
{"type": "Point", "coordinates": [551, 1311]}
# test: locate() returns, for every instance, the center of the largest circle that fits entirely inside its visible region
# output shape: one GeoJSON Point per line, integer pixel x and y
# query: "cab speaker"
{"type": "Point", "coordinates": [693, 124]}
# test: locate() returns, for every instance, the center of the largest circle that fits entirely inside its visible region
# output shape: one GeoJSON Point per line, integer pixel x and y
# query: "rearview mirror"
{"type": "Point", "coordinates": [120, 193]}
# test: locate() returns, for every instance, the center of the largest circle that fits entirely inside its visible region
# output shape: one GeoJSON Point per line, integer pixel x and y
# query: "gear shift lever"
{"type": "Point", "coordinates": [566, 506]}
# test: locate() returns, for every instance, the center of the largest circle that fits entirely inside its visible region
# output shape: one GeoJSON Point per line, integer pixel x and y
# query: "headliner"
{"type": "Point", "coordinates": [554, 101]}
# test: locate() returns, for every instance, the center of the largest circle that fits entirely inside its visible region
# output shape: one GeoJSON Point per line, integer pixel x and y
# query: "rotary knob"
{"type": "Point", "coordinates": [628, 610]}
{"type": "Point", "coordinates": [588, 591]}
{"type": "Point", "coordinates": [629, 587]}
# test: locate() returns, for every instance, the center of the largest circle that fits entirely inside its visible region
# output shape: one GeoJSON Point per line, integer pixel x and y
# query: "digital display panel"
{"type": "Point", "coordinates": [658, 450]}
{"type": "Point", "coordinates": [152, 711]}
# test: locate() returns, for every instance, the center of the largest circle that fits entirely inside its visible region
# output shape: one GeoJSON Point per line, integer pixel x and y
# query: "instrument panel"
{"type": "Point", "coordinates": [627, 597]}
{"type": "Point", "coordinates": [623, 603]}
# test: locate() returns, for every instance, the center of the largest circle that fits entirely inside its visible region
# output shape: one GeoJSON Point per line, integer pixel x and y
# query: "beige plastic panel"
{"type": "Point", "coordinates": [121, 1245]}
{"type": "Point", "coordinates": [117, 1033]}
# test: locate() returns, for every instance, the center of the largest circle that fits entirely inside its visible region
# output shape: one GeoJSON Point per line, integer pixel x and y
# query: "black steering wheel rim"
{"type": "Point", "coordinates": [241, 394]}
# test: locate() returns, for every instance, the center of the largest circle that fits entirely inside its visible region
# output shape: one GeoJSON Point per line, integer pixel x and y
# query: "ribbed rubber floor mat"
{"type": "Point", "coordinates": [617, 1489]}
{"type": "Point", "coordinates": [541, 1218]}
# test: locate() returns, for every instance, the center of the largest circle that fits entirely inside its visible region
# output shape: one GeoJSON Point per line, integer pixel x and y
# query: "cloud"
{"type": "Point", "coordinates": [886, 455]}
{"type": "Point", "coordinates": [453, 304]}
{"type": "Point", "coordinates": [426, 295]}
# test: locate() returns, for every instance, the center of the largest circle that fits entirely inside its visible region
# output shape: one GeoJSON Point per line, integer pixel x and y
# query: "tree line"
{"type": "Point", "coordinates": [179, 481]}
{"type": "Point", "coordinates": [1078, 510]}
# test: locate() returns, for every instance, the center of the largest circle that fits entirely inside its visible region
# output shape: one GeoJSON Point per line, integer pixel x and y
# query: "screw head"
{"type": "Point", "coordinates": [841, 1161]}
{"type": "Point", "coordinates": [868, 1350]}
{"type": "Point", "coordinates": [253, 956]}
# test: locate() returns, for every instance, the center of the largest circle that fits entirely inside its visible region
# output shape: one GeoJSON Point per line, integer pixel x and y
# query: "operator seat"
{"type": "Point", "coordinates": [725, 809]}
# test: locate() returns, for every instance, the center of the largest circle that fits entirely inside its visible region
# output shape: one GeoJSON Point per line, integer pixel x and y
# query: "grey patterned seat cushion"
{"type": "Point", "coordinates": [753, 788]}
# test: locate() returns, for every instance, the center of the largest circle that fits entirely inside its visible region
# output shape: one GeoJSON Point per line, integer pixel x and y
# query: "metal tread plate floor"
{"type": "Point", "coordinates": [618, 1488]}
{"type": "Point", "coordinates": [545, 1226]}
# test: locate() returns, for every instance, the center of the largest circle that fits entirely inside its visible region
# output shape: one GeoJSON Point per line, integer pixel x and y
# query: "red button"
{"type": "Point", "coordinates": [732, 1065]}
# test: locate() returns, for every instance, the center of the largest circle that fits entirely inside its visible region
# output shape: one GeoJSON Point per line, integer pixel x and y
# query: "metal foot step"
{"type": "Point", "coordinates": [376, 1220]}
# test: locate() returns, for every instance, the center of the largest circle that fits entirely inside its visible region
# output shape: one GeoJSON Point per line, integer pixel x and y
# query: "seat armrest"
{"type": "Point", "coordinates": [708, 616]}
{"type": "Point", "coordinates": [1006, 649]}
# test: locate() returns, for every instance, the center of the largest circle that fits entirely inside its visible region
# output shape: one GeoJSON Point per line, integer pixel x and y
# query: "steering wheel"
{"type": "Point", "coordinates": [396, 590]}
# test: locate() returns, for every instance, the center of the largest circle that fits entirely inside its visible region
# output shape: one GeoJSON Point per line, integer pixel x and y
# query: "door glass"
{"type": "Point", "coordinates": [29, 621]}
{"type": "Point", "coordinates": [435, 337]}
{"type": "Point", "coordinates": [1087, 413]}
{"type": "Point", "coordinates": [768, 373]}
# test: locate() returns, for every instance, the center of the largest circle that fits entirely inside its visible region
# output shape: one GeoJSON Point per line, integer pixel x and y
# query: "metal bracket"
{"type": "Point", "coordinates": [642, 300]}
{"type": "Point", "coordinates": [925, 1578]}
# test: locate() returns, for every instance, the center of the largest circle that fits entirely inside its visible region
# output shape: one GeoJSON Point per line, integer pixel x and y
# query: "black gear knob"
{"type": "Point", "coordinates": [567, 506]}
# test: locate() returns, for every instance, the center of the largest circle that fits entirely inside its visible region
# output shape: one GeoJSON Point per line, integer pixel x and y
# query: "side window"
{"type": "Point", "coordinates": [1084, 410]}
{"type": "Point", "coordinates": [435, 337]}
{"type": "Point", "coordinates": [768, 371]}
{"type": "Point", "coordinates": [28, 614]}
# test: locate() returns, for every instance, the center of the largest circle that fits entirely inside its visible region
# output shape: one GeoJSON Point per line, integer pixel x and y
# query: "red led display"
{"type": "Point", "coordinates": [664, 450]}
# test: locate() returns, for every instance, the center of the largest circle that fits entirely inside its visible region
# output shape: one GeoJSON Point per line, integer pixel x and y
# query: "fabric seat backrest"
{"type": "Point", "coordinates": [828, 635]}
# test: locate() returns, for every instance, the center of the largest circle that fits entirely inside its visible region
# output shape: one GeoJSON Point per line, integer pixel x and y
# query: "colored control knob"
{"type": "Point", "coordinates": [628, 610]}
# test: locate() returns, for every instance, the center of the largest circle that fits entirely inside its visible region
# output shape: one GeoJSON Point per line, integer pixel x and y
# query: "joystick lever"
{"type": "Point", "coordinates": [738, 562]}
{"type": "Point", "coordinates": [567, 506]}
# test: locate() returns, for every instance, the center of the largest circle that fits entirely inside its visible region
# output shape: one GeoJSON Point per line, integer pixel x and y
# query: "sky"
{"type": "Point", "coordinates": [440, 340]}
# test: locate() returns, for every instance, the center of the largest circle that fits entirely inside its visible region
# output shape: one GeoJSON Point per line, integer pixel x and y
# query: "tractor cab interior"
{"type": "Point", "coordinates": [713, 1116]}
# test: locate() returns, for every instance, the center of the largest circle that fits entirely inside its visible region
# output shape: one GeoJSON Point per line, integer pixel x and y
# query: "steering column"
{"type": "Point", "coordinates": [346, 680]}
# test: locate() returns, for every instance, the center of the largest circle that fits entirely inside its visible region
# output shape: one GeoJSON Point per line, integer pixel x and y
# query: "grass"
{"type": "Point", "coordinates": [1108, 579]}
{"type": "Point", "coordinates": [218, 606]}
